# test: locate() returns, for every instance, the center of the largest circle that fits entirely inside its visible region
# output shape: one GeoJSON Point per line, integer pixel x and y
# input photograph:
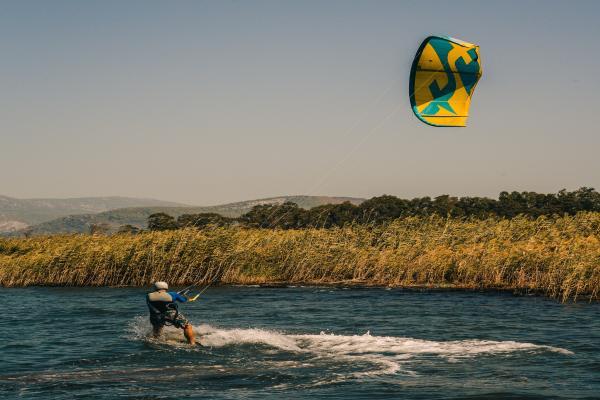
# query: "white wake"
{"type": "Point", "coordinates": [387, 352]}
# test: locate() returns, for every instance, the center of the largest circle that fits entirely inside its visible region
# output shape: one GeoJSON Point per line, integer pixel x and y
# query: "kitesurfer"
{"type": "Point", "coordinates": [164, 311]}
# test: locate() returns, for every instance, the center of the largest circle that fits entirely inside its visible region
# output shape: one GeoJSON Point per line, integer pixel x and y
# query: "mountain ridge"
{"type": "Point", "coordinates": [18, 213]}
{"type": "Point", "coordinates": [137, 216]}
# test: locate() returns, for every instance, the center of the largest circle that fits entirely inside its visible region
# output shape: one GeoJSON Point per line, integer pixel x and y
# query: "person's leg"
{"type": "Point", "coordinates": [156, 330]}
{"type": "Point", "coordinates": [188, 332]}
{"type": "Point", "coordinates": [180, 321]}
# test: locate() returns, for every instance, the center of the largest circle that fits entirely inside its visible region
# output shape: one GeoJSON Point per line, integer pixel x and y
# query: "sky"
{"type": "Point", "coordinates": [207, 102]}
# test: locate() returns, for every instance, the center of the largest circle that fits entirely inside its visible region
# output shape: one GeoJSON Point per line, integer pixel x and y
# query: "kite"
{"type": "Point", "coordinates": [442, 80]}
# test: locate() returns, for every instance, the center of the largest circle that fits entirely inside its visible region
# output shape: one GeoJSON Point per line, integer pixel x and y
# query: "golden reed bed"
{"type": "Point", "coordinates": [559, 257]}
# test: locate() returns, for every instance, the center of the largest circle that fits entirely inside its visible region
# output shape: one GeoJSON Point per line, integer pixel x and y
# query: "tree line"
{"type": "Point", "coordinates": [382, 209]}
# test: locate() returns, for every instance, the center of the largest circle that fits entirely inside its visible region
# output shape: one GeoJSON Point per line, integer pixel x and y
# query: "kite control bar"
{"type": "Point", "coordinates": [187, 289]}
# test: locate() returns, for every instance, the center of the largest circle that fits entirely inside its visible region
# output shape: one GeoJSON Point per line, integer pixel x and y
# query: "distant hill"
{"type": "Point", "coordinates": [137, 216]}
{"type": "Point", "coordinates": [17, 214]}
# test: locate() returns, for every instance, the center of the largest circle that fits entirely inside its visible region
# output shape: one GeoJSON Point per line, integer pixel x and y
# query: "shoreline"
{"type": "Point", "coordinates": [514, 291]}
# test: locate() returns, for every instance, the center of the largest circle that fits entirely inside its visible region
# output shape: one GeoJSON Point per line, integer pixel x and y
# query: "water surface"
{"type": "Point", "coordinates": [93, 343]}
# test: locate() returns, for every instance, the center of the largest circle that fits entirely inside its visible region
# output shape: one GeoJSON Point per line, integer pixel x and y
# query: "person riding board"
{"type": "Point", "coordinates": [164, 311]}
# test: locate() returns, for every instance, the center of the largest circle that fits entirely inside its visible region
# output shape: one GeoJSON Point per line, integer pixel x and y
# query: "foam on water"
{"type": "Point", "coordinates": [388, 353]}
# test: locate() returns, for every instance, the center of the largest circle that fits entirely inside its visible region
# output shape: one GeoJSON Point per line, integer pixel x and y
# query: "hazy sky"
{"type": "Point", "coordinates": [211, 102]}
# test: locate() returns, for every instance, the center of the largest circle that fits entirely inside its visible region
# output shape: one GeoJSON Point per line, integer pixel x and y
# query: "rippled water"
{"type": "Point", "coordinates": [299, 343]}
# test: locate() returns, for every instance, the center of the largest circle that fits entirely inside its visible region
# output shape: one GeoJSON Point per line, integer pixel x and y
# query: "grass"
{"type": "Point", "coordinates": [559, 257]}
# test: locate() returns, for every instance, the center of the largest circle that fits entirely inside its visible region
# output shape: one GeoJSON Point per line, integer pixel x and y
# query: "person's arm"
{"type": "Point", "coordinates": [178, 297]}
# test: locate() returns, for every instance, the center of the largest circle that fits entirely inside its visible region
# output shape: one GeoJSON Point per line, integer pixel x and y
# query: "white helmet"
{"type": "Point", "coordinates": [161, 285]}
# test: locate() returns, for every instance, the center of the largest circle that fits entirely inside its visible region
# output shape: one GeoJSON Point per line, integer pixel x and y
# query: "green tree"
{"type": "Point", "coordinates": [330, 215]}
{"type": "Point", "coordinates": [383, 208]}
{"type": "Point", "coordinates": [161, 222]}
{"type": "Point", "coordinates": [284, 216]}
{"type": "Point", "coordinates": [479, 207]}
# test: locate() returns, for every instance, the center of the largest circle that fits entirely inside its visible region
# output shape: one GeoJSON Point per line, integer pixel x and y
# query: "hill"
{"type": "Point", "coordinates": [16, 214]}
{"type": "Point", "coordinates": [137, 216]}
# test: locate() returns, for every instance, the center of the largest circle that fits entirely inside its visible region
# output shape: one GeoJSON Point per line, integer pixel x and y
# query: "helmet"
{"type": "Point", "coordinates": [161, 285]}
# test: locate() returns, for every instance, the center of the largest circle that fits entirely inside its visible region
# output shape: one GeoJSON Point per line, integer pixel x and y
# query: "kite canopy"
{"type": "Point", "coordinates": [442, 80]}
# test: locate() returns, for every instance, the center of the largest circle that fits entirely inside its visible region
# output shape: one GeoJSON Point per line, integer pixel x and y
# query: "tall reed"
{"type": "Point", "coordinates": [559, 256]}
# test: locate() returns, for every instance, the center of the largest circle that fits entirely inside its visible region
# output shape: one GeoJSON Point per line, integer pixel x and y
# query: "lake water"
{"type": "Point", "coordinates": [303, 342]}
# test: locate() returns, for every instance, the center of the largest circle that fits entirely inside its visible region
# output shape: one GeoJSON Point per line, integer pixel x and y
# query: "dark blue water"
{"type": "Point", "coordinates": [299, 343]}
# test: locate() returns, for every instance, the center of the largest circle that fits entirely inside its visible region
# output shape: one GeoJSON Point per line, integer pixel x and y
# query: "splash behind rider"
{"type": "Point", "coordinates": [163, 311]}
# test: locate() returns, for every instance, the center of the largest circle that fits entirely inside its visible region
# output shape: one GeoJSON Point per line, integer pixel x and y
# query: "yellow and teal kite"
{"type": "Point", "coordinates": [442, 80]}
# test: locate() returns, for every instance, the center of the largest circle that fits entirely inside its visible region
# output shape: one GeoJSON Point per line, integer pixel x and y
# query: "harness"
{"type": "Point", "coordinates": [161, 316]}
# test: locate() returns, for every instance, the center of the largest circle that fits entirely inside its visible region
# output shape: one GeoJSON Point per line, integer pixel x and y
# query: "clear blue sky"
{"type": "Point", "coordinates": [209, 102]}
